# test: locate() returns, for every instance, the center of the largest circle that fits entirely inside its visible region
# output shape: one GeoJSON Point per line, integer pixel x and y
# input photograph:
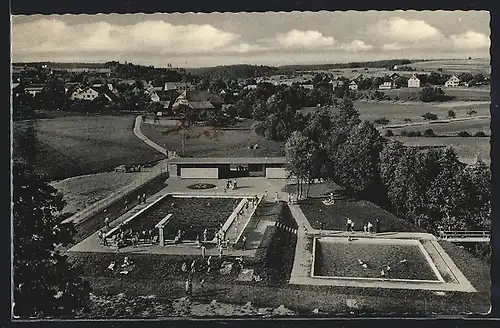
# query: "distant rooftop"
{"type": "Point", "coordinates": [228, 160]}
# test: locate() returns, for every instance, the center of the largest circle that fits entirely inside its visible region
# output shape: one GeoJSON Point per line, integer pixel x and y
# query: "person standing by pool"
{"type": "Point", "coordinates": [377, 224]}
{"type": "Point", "coordinates": [265, 195]}
{"type": "Point", "coordinates": [106, 222]}
{"type": "Point", "coordinates": [205, 233]}
{"type": "Point", "coordinates": [369, 226]}
{"type": "Point", "coordinates": [203, 251]}
{"type": "Point", "coordinates": [244, 243]}
{"type": "Point", "coordinates": [348, 224]}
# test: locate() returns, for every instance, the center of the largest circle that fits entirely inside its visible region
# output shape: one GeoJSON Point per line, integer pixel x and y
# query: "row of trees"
{"type": "Point", "coordinates": [429, 188]}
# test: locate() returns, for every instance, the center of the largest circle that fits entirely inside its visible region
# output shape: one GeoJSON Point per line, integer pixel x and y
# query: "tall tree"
{"type": "Point", "coordinates": [45, 284]}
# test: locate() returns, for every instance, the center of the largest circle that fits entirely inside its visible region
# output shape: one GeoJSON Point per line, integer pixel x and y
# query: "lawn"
{"type": "Point", "coordinates": [225, 143]}
{"type": "Point", "coordinates": [397, 112]}
{"type": "Point", "coordinates": [467, 148]}
{"type": "Point", "coordinates": [192, 215]}
{"type": "Point", "coordinates": [82, 191]}
{"type": "Point", "coordinates": [340, 259]}
{"type": "Point", "coordinates": [448, 129]}
{"type": "Point", "coordinates": [115, 209]}
{"type": "Point", "coordinates": [333, 217]}
{"type": "Point", "coordinates": [76, 145]}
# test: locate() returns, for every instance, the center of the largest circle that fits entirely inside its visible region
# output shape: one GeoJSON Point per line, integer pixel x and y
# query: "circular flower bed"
{"type": "Point", "coordinates": [201, 186]}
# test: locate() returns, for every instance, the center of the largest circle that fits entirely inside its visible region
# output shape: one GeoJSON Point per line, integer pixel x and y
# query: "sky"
{"type": "Point", "coordinates": [213, 39]}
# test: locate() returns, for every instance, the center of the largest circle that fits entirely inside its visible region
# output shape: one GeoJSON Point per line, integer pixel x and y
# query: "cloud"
{"type": "Point", "coordinates": [52, 35]}
{"type": "Point", "coordinates": [355, 46]}
{"type": "Point", "coordinates": [400, 30]}
{"type": "Point", "coordinates": [304, 39]}
{"type": "Point", "coordinates": [392, 46]}
{"type": "Point", "coordinates": [470, 40]}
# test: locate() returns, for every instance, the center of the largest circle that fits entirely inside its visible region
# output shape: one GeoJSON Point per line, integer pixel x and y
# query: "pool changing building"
{"type": "Point", "coordinates": [224, 168]}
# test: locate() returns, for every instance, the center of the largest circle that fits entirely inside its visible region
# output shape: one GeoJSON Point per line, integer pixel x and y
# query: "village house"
{"type": "Point", "coordinates": [413, 82]}
{"type": "Point", "coordinates": [250, 87]}
{"type": "Point", "coordinates": [385, 86]}
{"type": "Point", "coordinates": [33, 89]}
{"type": "Point", "coordinates": [198, 100]}
{"type": "Point", "coordinates": [87, 93]}
{"type": "Point", "coordinates": [166, 98]}
{"type": "Point", "coordinates": [452, 82]}
{"type": "Point", "coordinates": [394, 76]}
{"type": "Point", "coordinates": [353, 86]}
{"type": "Point", "coordinates": [178, 86]}
{"type": "Point", "coordinates": [308, 86]}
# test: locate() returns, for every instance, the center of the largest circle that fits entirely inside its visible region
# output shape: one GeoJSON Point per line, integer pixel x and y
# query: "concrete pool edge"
{"type": "Point", "coordinates": [303, 276]}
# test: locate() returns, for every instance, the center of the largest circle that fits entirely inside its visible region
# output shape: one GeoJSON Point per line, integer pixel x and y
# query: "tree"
{"type": "Point", "coordinates": [430, 94]}
{"type": "Point", "coordinates": [45, 284]}
{"type": "Point", "coordinates": [429, 116]}
{"type": "Point", "coordinates": [429, 133]}
{"type": "Point", "coordinates": [187, 119]}
{"type": "Point", "coordinates": [451, 113]}
{"type": "Point", "coordinates": [382, 121]}
{"type": "Point", "coordinates": [301, 155]}
{"type": "Point", "coordinates": [471, 112]}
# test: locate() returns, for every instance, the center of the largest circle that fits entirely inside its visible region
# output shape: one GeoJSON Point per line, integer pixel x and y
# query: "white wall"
{"type": "Point", "coordinates": [276, 173]}
{"type": "Point", "coordinates": [199, 173]}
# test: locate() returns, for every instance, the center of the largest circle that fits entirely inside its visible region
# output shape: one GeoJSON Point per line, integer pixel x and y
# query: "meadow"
{"type": "Point", "coordinates": [76, 145]}
{"type": "Point", "coordinates": [397, 112]}
{"type": "Point", "coordinates": [447, 129]}
{"type": "Point", "coordinates": [204, 142]}
{"type": "Point", "coordinates": [455, 66]}
{"type": "Point", "coordinates": [481, 93]}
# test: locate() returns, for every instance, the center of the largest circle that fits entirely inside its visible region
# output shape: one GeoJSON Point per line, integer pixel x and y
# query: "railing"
{"type": "Point", "coordinates": [464, 234]}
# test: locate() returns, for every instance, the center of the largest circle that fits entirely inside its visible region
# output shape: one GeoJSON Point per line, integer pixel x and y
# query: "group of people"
{"type": "Point", "coordinates": [230, 184]}
{"type": "Point", "coordinates": [385, 270]}
{"type": "Point", "coordinates": [141, 199]}
{"type": "Point", "coordinates": [367, 227]}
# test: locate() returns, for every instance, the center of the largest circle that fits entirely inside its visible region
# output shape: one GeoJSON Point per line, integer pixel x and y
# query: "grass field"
{"type": "Point", "coordinates": [455, 66]}
{"type": "Point", "coordinates": [458, 94]}
{"type": "Point", "coordinates": [76, 145]}
{"type": "Point", "coordinates": [82, 191]}
{"type": "Point", "coordinates": [396, 112]}
{"type": "Point", "coordinates": [333, 217]}
{"type": "Point", "coordinates": [114, 210]}
{"type": "Point", "coordinates": [227, 143]}
{"type": "Point", "coordinates": [192, 215]}
{"type": "Point", "coordinates": [341, 260]}
{"type": "Point", "coordinates": [448, 129]}
{"type": "Point", "coordinates": [467, 148]}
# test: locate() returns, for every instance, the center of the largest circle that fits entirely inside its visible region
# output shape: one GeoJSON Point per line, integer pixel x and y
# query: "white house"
{"type": "Point", "coordinates": [353, 86]}
{"type": "Point", "coordinates": [250, 87]}
{"type": "Point", "coordinates": [385, 86]}
{"type": "Point", "coordinates": [87, 93]}
{"type": "Point", "coordinates": [308, 86]}
{"type": "Point", "coordinates": [414, 82]}
{"type": "Point", "coordinates": [453, 82]}
{"type": "Point", "coordinates": [180, 86]}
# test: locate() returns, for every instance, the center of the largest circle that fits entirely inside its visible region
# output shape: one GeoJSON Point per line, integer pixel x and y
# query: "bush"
{"type": "Point", "coordinates": [480, 134]}
{"type": "Point", "coordinates": [451, 113]}
{"type": "Point", "coordinates": [463, 134]}
{"type": "Point", "coordinates": [382, 120]}
{"type": "Point", "coordinates": [471, 112]}
{"type": "Point", "coordinates": [389, 133]}
{"type": "Point", "coordinates": [414, 134]}
{"type": "Point", "coordinates": [407, 120]}
{"type": "Point", "coordinates": [403, 133]}
{"type": "Point", "coordinates": [429, 116]}
{"type": "Point", "coordinates": [429, 133]}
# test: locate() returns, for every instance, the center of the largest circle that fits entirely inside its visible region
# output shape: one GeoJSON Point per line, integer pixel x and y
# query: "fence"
{"type": "Point", "coordinates": [464, 234]}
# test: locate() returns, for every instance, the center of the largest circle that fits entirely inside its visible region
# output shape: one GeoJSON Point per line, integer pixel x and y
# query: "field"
{"type": "Point", "coordinates": [467, 148]}
{"type": "Point", "coordinates": [458, 94]}
{"type": "Point", "coordinates": [448, 129]}
{"type": "Point", "coordinates": [396, 112]}
{"type": "Point", "coordinates": [70, 146]}
{"type": "Point", "coordinates": [333, 217]}
{"type": "Point", "coordinates": [192, 215]}
{"type": "Point", "coordinates": [340, 259]}
{"type": "Point", "coordinates": [81, 191]}
{"type": "Point", "coordinates": [455, 66]}
{"type": "Point", "coordinates": [223, 144]}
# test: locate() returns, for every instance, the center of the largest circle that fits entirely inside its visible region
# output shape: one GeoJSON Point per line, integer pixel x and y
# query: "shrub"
{"type": "Point", "coordinates": [471, 112]}
{"type": "Point", "coordinates": [403, 133]}
{"type": "Point", "coordinates": [451, 113]}
{"type": "Point", "coordinates": [429, 133]}
{"type": "Point", "coordinates": [429, 116]}
{"type": "Point", "coordinates": [407, 120]}
{"type": "Point", "coordinates": [414, 134]}
{"type": "Point", "coordinates": [463, 134]}
{"type": "Point", "coordinates": [480, 134]}
{"type": "Point", "coordinates": [389, 133]}
{"type": "Point", "coordinates": [382, 120]}
{"type": "Point", "coordinates": [429, 94]}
